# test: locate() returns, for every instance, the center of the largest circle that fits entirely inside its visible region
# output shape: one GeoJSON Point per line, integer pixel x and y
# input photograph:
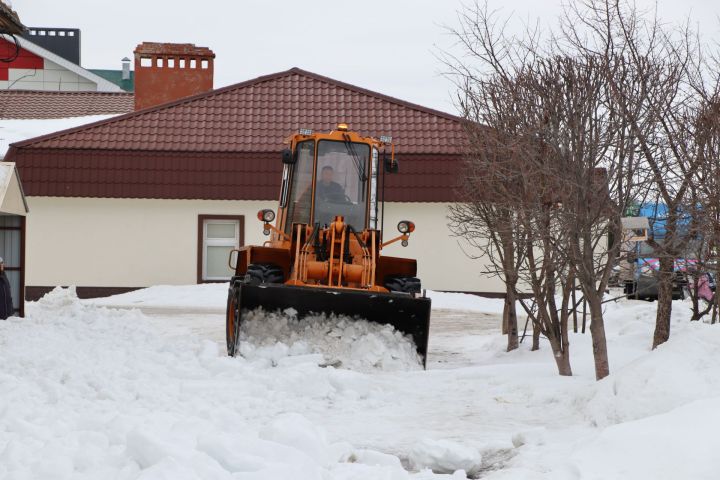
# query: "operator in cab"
{"type": "Point", "coordinates": [328, 190]}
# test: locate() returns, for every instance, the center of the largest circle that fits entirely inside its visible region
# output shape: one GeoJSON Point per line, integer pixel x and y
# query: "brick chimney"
{"type": "Point", "coordinates": [170, 71]}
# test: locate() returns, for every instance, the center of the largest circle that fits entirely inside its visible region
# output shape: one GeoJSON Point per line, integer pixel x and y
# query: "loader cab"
{"type": "Point", "coordinates": [329, 175]}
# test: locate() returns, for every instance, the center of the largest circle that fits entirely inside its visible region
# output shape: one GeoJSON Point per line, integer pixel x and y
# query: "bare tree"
{"type": "Point", "coordinates": [594, 167]}
{"type": "Point", "coordinates": [485, 218]}
{"type": "Point", "coordinates": [706, 205]}
{"type": "Point", "coordinates": [660, 83]}
{"type": "Point", "coordinates": [578, 185]}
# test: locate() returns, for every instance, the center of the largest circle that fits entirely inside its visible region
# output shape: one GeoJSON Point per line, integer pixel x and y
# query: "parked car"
{"type": "Point", "coordinates": [645, 284]}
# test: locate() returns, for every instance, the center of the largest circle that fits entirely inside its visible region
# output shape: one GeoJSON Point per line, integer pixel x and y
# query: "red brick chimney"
{"type": "Point", "coordinates": [169, 71]}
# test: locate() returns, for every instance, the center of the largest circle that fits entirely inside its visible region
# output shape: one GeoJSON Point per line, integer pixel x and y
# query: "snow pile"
{"type": "Point", "coordinates": [677, 444]}
{"type": "Point", "coordinates": [443, 456]}
{"type": "Point", "coordinates": [334, 340]}
{"type": "Point", "coordinates": [205, 296]}
{"type": "Point", "coordinates": [655, 417]}
{"type": "Point", "coordinates": [676, 373]}
{"type": "Point", "coordinates": [89, 392]}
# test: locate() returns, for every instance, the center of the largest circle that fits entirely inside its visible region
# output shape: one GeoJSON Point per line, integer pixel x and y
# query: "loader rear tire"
{"type": "Point", "coordinates": [258, 273]}
{"type": "Point", "coordinates": [232, 320]}
{"type": "Point", "coordinates": [402, 284]}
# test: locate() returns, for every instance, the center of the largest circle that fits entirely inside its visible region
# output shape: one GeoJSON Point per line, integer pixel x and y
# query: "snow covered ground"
{"type": "Point", "coordinates": [212, 296]}
{"type": "Point", "coordinates": [88, 391]}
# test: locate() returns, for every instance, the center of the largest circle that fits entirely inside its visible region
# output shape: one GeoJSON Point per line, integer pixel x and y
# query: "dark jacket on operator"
{"type": "Point", "coordinates": [331, 192]}
{"type": "Point", "coordinates": [6, 303]}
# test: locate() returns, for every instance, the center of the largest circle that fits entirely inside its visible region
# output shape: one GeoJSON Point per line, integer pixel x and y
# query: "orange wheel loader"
{"type": "Point", "coordinates": [325, 249]}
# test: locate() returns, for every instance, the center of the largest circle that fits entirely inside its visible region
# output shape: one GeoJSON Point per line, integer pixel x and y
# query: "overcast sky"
{"type": "Point", "coordinates": [385, 45]}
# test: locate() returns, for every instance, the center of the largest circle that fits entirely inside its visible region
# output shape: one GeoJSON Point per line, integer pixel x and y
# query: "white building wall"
{"type": "Point", "coordinates": [104, 242]}
{"type": "Point", "coordinates": [52, 78]}
{"type": "Point", "coordinates": [442, 261]}
{"type": "Point", "coordinates": [142, 242]}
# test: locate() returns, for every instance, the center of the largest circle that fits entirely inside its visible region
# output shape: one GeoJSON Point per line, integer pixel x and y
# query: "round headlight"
{"type": "Point", "coordinates": [266, 215]}
{"type": "Point", "coordinates": [405, 226]}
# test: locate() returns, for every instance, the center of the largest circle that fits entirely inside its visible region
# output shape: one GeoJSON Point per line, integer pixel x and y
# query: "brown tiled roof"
{"type": "Point", "coordinates": [225, 144]}
{"type": "Point", "coordinates": [256, 116]}
{"type": "Point", "coordinates": [26, 104]}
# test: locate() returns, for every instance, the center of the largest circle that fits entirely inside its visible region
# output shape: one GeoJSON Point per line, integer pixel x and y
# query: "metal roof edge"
{"type": "Point", "coordinates": [382, 96]}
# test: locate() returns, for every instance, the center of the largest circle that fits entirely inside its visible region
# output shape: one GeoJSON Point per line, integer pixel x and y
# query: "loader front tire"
{"type": "Point", "coordinates": [259, 273]}
{"type": "Point", "coordinates": [403, 284]}
{"type": "Point", "coordinates": [232, 320]}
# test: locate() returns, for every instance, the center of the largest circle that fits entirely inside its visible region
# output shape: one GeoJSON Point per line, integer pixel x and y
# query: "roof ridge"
{"type": "Point", "coordinates": [236, 86]}
{"type": "Point", "coordinates": [62, 92]}
{"type": "Point", "coordinates": [372, 93]}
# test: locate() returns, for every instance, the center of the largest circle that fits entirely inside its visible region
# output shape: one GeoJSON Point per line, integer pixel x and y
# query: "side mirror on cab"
{"type": "Point", "coordinates": [287, 157]}
{"type": "Point", "coordinates": [391, 165]}
{"type": "Point", "coordinates": [233, 259]}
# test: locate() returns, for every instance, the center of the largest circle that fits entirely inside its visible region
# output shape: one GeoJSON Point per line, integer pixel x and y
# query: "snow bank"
{"type": "Point", "coordinates": [214, 296]}
{"type": "Point", "coordinates": [88, 392]}
{"type": "Point", "coordinates": [466, 302]}
{"type": "Point", "coordinates": [677, 372]}
{"type": "Point", "coordinates": [339, 341]}
{"type": "Point", "coordinates": [678, 444]}
{"type": "Point", "coordinates": [206, 296]}
{"type": "Point", "coordinates": [443, 456]}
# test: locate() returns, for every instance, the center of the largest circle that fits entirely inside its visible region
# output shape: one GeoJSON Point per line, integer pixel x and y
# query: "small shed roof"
{"type": "Point", "coordinates": [635, 223]}
{"type": "Point", "coordinates": [12, 197]}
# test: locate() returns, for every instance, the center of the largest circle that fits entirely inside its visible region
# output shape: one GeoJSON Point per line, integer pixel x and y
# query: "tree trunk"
{"type": "Point", "coordinates": [562, 358]}
{"type": "Point", "coordinates": [506, 312]}
{"type": "Point", "coordinates": [715, 302]}
{"type": "Point", "coordinates": [536, 338]}
{"type": "Point", "coordinates": [695, 297]}
{"type": "Point", "coordinates": [664, 308]}
{"type": "Point", "coordinates": [599, 342]}
{"type": "Point", "coordinates": [511, 319]}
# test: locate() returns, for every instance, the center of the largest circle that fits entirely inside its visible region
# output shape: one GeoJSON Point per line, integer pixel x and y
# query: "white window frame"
{"type": "Point", "coordinates": [218, 242]}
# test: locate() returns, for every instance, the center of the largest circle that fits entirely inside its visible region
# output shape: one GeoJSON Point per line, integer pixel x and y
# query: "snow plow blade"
{"type": "Point", "coordinates": [408, 315]}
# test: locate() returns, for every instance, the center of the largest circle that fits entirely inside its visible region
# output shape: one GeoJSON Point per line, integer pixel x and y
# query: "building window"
{"type": "Point", "coordinates": [12, 250]}
{"type": "Point", "coordinates": [218, 235]}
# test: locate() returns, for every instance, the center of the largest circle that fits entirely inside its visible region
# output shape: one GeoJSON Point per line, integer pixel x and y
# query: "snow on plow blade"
{"type": "Point", "coordinates": [410, 316]}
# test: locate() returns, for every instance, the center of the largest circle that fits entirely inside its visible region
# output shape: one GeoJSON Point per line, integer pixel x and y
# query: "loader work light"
{"type": "Point", "coordinates": [306, 131]}
{"type": "Point", "coordinates": [406, 226]}
{"type": "Point", "coordinates": [385, 139]}
{"type": "Point", "coordinates": [266, 215]}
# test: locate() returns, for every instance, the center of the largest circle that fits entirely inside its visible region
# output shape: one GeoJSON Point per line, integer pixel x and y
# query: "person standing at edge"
{"type": "Point", "coordinates": [6, 303]}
